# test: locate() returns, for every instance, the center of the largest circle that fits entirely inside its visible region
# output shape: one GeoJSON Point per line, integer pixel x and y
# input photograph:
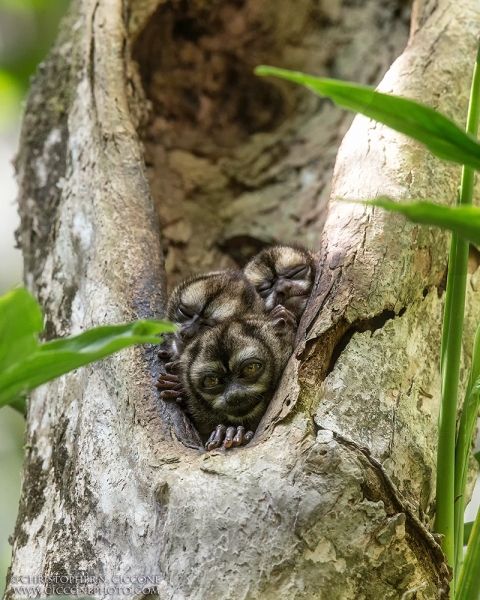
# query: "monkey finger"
{"type": "Point", "coordinates": [168, 385]}
{"type": "Point", "coordinates": [171, 386]}
{"type": "Point", "coordinates": [166, 380]}
{"type": "Point", "coordinates": [247, 437]}
{"type": "Point", "coordinates": [277, 311]}
{"type": "Point", "coordinates": [170, 377]}
{"type": "Point", "coordinates": [228, 441]}
{"type": "Point", "coordinates": [216, 438]}
{"type": "Point", "coordinates": [172, 366]}
{"type": "Point", "coordinates": [291, 320]}
{"type": "Point", "coordinates": [238, 439]}
{"type": "Point", "coordinates": [280, 312]}
{"type": "Point", "coordinates": [169, 395]}
{"type": "Point", "coordinates": [164, 354]}
{"type": "Point", "coordinates": [210, 440]}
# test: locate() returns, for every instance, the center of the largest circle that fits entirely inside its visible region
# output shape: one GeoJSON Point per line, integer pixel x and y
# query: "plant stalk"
{"type": "Point", "coordinates": [451, 352]}
{"type": "Point", "coordinates": [469, 581]}
{"type": "Point", "coordinates": [463, 448]}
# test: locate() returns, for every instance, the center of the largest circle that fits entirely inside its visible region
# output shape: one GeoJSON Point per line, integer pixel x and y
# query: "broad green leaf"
{"type": "Point", "coordinates": [20, 322]}
{"type": "Point", "coordinates": [461, 220]}
{"type": "Point", "coordinates": [439, 134]}
{"type": "Point", "coordinates": [31, 363]}
{"type": "Point", "coordinates": [20, 405]}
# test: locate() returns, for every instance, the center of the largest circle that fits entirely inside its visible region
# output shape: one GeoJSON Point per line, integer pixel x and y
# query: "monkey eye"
{"type": "Point", "coordinates": [297, 272]}
{"type": "Point", "coordinates": [211, 381]}
{"type": "Point", "coordinates": [185, 312]}
{"type": "Point", "coordinates": [251, 368]}
{"type": "Point", "coordinates": [264, 287]}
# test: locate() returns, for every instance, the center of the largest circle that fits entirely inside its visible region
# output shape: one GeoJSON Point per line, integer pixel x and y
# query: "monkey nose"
{"type": "Point", "coordinates": [282, 286]}
{"type": "Point", "coordinates": [234, 394]}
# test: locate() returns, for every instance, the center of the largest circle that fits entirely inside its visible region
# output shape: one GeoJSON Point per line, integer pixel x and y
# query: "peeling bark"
{"type": "Point", "coordinates": [184, 145]}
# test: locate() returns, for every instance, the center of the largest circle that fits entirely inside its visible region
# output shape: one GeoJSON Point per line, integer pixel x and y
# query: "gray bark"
{"type": "Point", "coordinates": [332, 499]}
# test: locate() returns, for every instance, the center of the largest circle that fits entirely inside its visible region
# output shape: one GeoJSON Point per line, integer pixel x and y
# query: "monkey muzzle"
{"type": "Point", "coordinates": [190, 329]}
{"type": "Point", "coordinates": [238, 401]}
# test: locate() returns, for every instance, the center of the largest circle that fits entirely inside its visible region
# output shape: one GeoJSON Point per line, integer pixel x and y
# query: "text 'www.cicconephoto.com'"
{"type": "Point", "coordinates": [39, 586]}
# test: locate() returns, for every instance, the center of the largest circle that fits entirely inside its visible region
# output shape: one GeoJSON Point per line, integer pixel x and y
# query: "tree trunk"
{"type": "Point", "coordinates": [334, 496]}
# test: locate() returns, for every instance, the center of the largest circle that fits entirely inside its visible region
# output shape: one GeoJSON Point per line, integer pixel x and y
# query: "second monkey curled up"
{"type": "Point", "coordinates": [236, 331]}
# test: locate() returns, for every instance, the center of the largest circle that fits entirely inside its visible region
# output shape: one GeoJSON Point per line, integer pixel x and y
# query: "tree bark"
{"type": "Point", "coordinates": [334, 496]}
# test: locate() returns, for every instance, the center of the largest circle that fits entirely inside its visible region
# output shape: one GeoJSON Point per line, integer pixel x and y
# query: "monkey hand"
{"type": "Point", "coordinates": [228, 437]}
{"type": "Point", "coordinates": [172, 388]}
{"type": "Point", "coordinates": [280, 312]}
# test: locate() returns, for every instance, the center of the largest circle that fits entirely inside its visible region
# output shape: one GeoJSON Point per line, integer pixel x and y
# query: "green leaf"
{"type": "Point", "coordinates": [461, 220]}
{"type": "Point", "coordinates": [463, 446]}
{"type": "Point", "coordinates": [467, 530]}
{"type": "Point", "coordinates": [20, 322]}
{"type": "Point", "coordinates": [10, 99]}
{"type": "Point", "coordinates": [20, 405]}
{"type": "Point", "coordinates": [469, 582]}
{"type": "Point", "coordinates": [26, 364]}
{"type": "Point", "coordinates": [439, 134]}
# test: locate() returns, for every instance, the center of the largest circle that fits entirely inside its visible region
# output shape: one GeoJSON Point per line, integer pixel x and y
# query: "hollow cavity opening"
{"type": "Point", "coordinates": [234, 157]}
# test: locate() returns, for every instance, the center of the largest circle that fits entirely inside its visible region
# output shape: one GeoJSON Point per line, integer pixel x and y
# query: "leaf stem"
{"type": "Point", "coordinates": [451, 351]}
{"type": "Point", "coordinates": [463, 448]}
{"type": "Point", "coordinates": [469, 582]}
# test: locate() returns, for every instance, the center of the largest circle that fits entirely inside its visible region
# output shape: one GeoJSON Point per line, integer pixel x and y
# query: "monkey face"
{"type": "Point", "coordinates": [206, 300]}
{"type": "Point", "coordinates": [235, 387]}
{"type": "Point", "coordinates": [231, 371]}
{"type": "Point", "coordinates": [283, 275]}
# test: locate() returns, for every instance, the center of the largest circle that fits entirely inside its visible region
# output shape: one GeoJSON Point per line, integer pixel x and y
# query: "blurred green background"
{"type": "Point", "coordinates": [27, 31]}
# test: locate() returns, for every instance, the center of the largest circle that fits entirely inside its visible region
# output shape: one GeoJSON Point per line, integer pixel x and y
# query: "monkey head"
{"type": "Point", "coordinates": [204, 301]}
{"type": "Point", "coordinates": [283, 275]}
{"type": "Point", "coordinates": [230, 372]}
